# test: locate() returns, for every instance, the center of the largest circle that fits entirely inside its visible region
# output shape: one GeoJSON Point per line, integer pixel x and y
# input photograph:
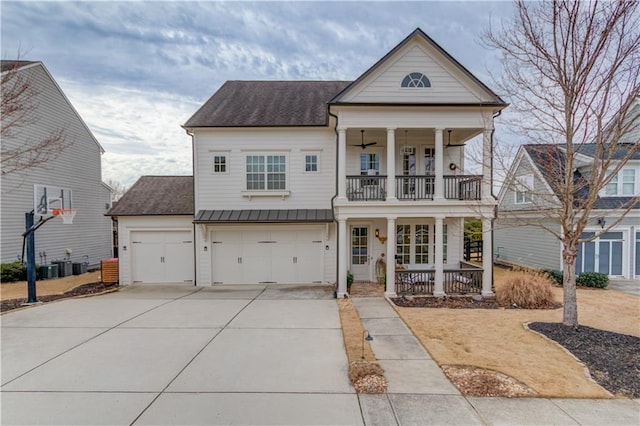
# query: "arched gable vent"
{"type": "Point", "coordinates": [415, 79]}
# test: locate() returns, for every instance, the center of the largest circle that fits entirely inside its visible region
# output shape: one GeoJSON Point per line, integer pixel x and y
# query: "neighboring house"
{"type": "Point", "coordinates": [519, 238]}
{"type": "Point", "coordinates": [155, 230]}
{"type": "Point", "coordinates": [303, 181]}
{"type": "Point", "coordinates": [76, 169]}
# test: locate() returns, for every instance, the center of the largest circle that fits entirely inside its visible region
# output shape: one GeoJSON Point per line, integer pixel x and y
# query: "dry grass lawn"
{"type": "Point", "coordinates": [18, 290]}
{"type": "Point", "coordinates": [497, 339]}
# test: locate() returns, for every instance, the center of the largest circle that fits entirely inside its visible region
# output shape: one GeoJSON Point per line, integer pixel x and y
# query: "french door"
{"type": "Point", "coordinates": [360, 257]}
{"type": "Point", "coordinates": [604, 254]}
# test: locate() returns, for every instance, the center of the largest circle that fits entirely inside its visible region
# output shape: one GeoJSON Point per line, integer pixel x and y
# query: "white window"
{"type": "Point", "coordinates": [415, 79]}
{"type": "Point", "coordinates": [311, 163]}
{"type": "Point", "coordinates": [626, 183]}
{"type": "Point", "coordinates": [220, 163]}
{"type": "Point", "coordinates": [266, 172]}
{"type": "Point", "coordinates": [523, 189]}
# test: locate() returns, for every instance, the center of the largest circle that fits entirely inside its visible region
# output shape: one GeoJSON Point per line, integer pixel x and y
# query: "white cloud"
{"type": "Point", "coordinates": [140, 130]}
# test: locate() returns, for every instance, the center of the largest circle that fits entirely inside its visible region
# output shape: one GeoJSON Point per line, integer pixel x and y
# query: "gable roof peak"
{"type": "Point", "coordinates": [420, 34]}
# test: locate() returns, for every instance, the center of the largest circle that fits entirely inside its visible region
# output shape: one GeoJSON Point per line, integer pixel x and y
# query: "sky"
{"type": "Point", "coordinates": [136, 71]}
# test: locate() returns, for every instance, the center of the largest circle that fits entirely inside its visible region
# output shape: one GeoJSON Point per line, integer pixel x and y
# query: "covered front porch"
{"type": "Point", "coordinates": [412, 255]}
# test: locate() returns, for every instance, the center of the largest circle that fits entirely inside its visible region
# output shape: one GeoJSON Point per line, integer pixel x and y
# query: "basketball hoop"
{"type": "Point", "coordinates": [67, 215]}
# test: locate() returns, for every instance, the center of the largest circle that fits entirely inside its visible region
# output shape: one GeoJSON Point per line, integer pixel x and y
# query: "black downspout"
{"type": "Point", "coordinates": [335, 293]}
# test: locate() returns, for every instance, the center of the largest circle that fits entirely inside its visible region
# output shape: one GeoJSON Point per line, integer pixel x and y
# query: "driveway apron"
{"type": "Point", "coordinates": [179, 355]}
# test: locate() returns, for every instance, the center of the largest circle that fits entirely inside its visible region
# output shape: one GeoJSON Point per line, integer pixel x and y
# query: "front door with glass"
{"type": "Point", "coordinates": [360, 257]}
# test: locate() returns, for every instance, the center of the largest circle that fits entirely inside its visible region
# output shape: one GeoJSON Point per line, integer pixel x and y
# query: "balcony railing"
{"type": "Point", "coordinates": [366, 188]}
{"type": "Point", "coordinates": [465, 278]}
{"type": "Point", "coordinates": [414, 187]}
{"type": "Point", "coordinates": [463, 187]}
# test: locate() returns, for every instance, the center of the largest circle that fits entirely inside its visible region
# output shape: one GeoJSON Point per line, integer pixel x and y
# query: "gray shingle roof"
{"type": "Point", "coordinates": [264, 216]}
{"type": "Point", "coordinates": [550, 160]}
{"type": "Point", "coordinates": [157, 195]}
{"type": "Point", "coordinates": [267, 104]}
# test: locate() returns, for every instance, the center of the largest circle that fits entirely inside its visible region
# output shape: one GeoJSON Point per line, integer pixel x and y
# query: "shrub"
{"type": "Point", "coordinates": [592, 279]}
{"type": "Point", "coordinates": [528, 290]}
{"type": "Point", "coordinates": [555, 275]}
{"type": "Point", "coordinates": [12, 272]}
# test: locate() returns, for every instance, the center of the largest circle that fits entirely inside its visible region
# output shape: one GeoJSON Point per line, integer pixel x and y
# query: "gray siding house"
{"type": "Point", "coordinates": [77, 168]}
{"type": "Point", "coordinates": [521, 229]}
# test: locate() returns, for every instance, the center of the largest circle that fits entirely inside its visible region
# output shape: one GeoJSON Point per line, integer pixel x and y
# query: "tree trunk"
{"type": "Point", "coordinates": [570, 303]}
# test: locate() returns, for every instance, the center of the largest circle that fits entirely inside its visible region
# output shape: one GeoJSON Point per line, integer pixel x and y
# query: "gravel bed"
{"type": "Point", "coordinates": [85, 289]}
{"type": "Point", "coordinates": [613, 359]}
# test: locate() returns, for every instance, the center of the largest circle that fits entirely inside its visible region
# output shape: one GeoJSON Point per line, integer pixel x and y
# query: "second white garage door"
{"type": "Point", "coordinates": [162, 257]}
{"type": "Point", "coordinates": [265, 255]}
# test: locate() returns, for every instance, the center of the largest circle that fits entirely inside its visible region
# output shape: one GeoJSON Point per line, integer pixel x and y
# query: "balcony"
{"type": "Point", "coordinates": [413, 187]}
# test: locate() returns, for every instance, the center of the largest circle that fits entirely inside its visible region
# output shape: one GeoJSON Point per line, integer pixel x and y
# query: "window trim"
{"type": "Point", "coordinates": [225, 163]}
{"type": "Point", "coordinates": [412, 77]}
{"type": "Point", "coordinates": [317, 163]}
{"type": "Point", "coordinates": [257, 192]}
{"type": "Point", "coordinates": [522, 193]}
{"type": "Point", "coordinates": [619, 182]}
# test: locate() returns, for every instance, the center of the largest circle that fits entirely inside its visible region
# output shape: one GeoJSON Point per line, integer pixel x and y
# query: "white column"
{"type": "Point", "coordinates": [342, 163]}
{"type": "Point", "coordinates": [487, 170]}
{"type": "Point", "coordinates": [391, 258]}
{"type": "Point", "coordinates": [439, 167]}
{"type": "Point", "coordinates": [391, 164]}
{"type": "Point", "coordinates": [487, 257]}
{"type": "Point", "coordinates": [439, 259]}
{"type": "Point", "coordinates": [343, 258]}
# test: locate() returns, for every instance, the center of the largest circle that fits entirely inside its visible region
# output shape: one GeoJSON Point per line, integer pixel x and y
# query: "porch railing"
{"type": "Point", "coordinates": [466, 278]}
{"type": "Point", "coordinates": [415, 187]}
{"type": "Point", "coordinates": [462, 187]}
{"type": "Point", "coordinates": [366, 188]}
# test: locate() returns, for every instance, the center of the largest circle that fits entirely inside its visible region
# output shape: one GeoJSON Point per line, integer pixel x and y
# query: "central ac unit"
{"type": "Point", "coordinates": [409, 150]}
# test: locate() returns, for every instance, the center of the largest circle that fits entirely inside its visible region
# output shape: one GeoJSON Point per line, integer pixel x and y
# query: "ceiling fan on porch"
{"type": "Point", "coordinates": [449, 144]}
{"type": "Point", "coordinates": [362, 144]}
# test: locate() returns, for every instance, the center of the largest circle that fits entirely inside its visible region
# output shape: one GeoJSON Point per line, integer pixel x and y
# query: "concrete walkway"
{"type": "Point", "coordinates": [627, 286]}
{"type": "Point", "coordinates": [420, 394]}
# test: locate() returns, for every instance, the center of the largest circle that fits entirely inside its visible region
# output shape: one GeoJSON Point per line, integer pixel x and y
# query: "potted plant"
{"type": "Point", "coordinates": [349, 281]}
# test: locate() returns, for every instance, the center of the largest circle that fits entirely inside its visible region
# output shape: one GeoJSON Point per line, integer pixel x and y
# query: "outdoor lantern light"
{"type": "Point", "coordinates": [377, 233]}
{"type": "Point", "coordinates": [365, 336]}
{"type": "Point", "coordinates": [602, 222]}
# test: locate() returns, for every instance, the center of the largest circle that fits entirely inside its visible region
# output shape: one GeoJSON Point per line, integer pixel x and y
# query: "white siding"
{"type": "Point", "coordinates": [225, 191]}
{"type": "Point", "coordinates": [77, 168]}
{"type": "Point", "coordinates": [448, 83]}
{"type": "Point", "coordinates": [129, 224]}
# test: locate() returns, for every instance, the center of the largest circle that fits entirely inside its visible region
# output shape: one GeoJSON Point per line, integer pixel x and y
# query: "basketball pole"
{"type": "Point", "coordinates": [29, 235]}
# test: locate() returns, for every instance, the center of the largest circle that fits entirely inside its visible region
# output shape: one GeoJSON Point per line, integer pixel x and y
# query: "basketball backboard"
{"type": "Point", "coordinates": [48, 198]}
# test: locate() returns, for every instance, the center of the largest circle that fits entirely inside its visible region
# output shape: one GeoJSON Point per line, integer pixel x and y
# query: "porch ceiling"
{"type": "Point", "coordinates": [414, 136]}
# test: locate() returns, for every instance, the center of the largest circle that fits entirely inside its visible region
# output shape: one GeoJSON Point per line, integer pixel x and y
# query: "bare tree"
{"type": "Point", "coordinates": [19, 110]}
{"type": "Point", "coordinates": [571, 70]}
{"type": "Point", "coordinates": [117, 189]}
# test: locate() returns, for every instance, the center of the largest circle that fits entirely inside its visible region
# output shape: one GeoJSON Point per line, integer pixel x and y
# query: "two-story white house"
{"type": "Point", "coordinates": [305, 181]}
{"type": "Point", "coordinates": [74, 167]}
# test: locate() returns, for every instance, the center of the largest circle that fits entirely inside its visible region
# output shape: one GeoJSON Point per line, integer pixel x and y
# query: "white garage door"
{"type": "Point", "coordinates": [291, 256]}
{"type": "Point", "coordinates": [162, 257]}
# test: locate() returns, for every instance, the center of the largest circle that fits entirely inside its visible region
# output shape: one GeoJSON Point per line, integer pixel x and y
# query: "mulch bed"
{"type": "Point", "coordinates": [452, 302]}
{"type": "Point", "coordinates": [613, 359]}
{"type": "Point", "coordinates": [83, 290]}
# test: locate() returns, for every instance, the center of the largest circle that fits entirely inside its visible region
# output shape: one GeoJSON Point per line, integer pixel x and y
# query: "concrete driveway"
{"type": "Point", "coordinates": [179, 355]}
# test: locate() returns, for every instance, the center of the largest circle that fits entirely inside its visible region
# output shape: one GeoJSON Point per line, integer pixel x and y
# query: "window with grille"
{"type": "Point", "coordinates": [266, 172]}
